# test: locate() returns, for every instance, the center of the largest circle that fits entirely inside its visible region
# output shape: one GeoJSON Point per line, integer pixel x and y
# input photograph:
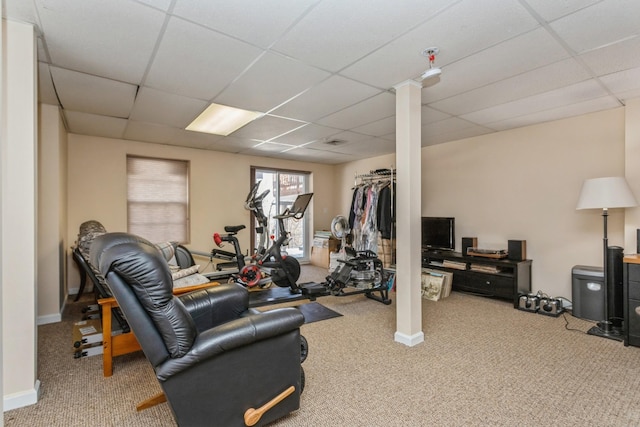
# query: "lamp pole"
{"type": "Point", "coordinates": [605, 326]}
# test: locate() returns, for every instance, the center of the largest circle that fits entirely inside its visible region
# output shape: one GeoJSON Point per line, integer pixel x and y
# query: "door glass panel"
{"type": "Point", "coordinates": [284, 187]}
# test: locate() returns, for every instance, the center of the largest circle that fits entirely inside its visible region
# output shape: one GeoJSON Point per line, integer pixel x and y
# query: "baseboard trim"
{"type": "Point", "coordinates": [52, 318]}
{"type": "Point", "coordinates": [49, 318]}
{"type": "Point", "coordinates": [22, 399]}
{"type": "Point", "coordinates": [409, 340]}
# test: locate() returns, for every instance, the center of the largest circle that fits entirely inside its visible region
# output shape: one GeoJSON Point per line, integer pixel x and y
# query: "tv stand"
{"type": "Point", "coordinates": [496, 278]}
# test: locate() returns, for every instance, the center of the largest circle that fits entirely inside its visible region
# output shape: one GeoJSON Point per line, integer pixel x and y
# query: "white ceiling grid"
{"type": "Point", "coordinates": [324, 70]}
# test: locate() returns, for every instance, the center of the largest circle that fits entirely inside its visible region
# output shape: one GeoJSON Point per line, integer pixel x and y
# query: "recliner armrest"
{"type": "Point", "coordinates": [231, 335]}
{"type": "Point", "coordinates": [216, 305]}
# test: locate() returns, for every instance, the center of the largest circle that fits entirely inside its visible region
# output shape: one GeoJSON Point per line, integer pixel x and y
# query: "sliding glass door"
{"type": "Point", "coordinates": [284, 186]}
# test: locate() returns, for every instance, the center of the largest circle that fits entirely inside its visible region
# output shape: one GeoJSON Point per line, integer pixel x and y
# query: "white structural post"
{"type": "Point", "coordinates": [408, 213]}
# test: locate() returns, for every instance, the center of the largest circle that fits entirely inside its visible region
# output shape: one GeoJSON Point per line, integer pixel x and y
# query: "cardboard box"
{"type": "Point", "coordinates": [321, 249]}
{"type": "Point", "coordinates": [87, 332]}
{"type": "Point", "coordinates": [320, 257]}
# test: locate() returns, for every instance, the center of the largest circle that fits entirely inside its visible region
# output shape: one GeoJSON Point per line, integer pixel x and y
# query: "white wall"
{"type": "Point", "coordinates": [632, 171]}
{"type": "Point", "coordinates": [19, 165]}
{"type": "Point", "coordinates": [523, 184]}
{"type": "Point", "coordinates": [219, 182]}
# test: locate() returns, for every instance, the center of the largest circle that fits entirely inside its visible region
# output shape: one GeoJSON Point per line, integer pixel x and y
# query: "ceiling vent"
{"type": "Point", "coordinates": [336, 142]}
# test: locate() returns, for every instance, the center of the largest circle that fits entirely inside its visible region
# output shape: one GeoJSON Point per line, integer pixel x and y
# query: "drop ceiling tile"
{"type": "Point", "coordinates": [565, 96]}
{"type": "Point", "coordinates": [328, 96]}
{"type": "Point", "coordinates": [272, 147]}
{"type": "Point", "coordinates": [158, 4]}
{"type": "Point", "coordinates": [96, 95]}
{"type": "Point", "coordinates": [528, 51]}
{"type": "Point", "coordinates": [550, 77]}
{"type": "Point", "coordinates": [352, 143]}
{"type": "Point", "coordinates": [154, 106]}
{"type": "Point", "coordinates": [306, 134]}
{"type": "Point", "coordinates": [199, 139]}
{"type": "Point", "coordinates": [233, 145]}
{"type": "Point", "coordinates": [372, 146]}
{"type": "Point", "coordinates": [260, 23]}
{"type": "Point", "coordinates": [465, 28]}
{"type": "Point", "coordinates": [367, 111]}
{"type": "Point", "coordinates": [303, 154]}
{"type": "Point", "coordinates": [113, 39]}
{"type": "Point", "coordinates": [586, 29]}
{"type": "Point", "coordinates": [197, 62]}
{"type": "Point", "coordinates": [379, 127]}
{"type": "Point", "coordinates": [267, 149]}
{"type": "Point", "coordinates": [455, 135]}
{"type": "Point", "coordinates": [613, 58]}
{"type": "Point", "coordinates": [445, 126]}
{"type": "Point", "coordinates": [92, 124]}
{"type": "Point", "coordinates": [20, 10]}
{"type": "Point", "coordinates": [224, 146]}
{"type": "Point", "coordinates": [551, 10]}
{"type": "Point", "coordinates": [430, 115]}
{"type": "Point", "coordinates": [628, 94]}
{"type": "Point", "coordinates": [571, 110]}
{"type": "Point", "coordinates": [267, 127]}
{"type": "Point", "coordinates": [623, 81]}
{"type": "Point", "coordinates": [270, 81]}
{"type": "Point", "coordinates": [149, 132]}
{"type": "Point", "coordinates": [336, 32]}
{"type": "Point", "coordinates": [46, 91]}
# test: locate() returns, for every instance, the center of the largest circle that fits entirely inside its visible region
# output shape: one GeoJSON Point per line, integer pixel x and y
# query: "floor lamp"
{"type": "Point", "coordinates": [606, 193]}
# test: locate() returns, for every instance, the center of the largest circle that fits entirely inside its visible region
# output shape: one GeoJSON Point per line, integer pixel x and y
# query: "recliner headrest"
{"type": "Point", "coordinates": [141, 266]}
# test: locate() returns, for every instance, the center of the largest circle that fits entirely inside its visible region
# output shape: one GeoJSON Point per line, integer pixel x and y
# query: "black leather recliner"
{"type": "Point", "coordinates": [214, 358]}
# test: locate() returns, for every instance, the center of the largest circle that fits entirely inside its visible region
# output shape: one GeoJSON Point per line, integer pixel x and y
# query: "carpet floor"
{"type": "Point", "coordinates": [483, 363]}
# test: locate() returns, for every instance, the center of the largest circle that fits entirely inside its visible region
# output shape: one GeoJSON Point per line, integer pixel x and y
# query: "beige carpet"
{"type": "Point", "coordinates": [483, 363]}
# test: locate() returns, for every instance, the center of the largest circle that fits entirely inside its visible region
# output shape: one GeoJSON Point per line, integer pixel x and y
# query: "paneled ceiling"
{"type": "Point", "coordinates": [323, 71]}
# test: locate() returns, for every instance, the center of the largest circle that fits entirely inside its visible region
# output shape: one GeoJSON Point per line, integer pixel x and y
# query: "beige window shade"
{"type": "Point", "coordinates": [158, 199]}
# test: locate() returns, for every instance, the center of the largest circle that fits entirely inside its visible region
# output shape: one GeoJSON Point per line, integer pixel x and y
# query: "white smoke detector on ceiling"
{"type": "Point", "coordinates": [433, 72]}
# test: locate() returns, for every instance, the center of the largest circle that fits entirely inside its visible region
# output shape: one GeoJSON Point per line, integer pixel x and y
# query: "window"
{"type": "Point", "coordinates": [284, 187]}
{"type": "Point", "coordinates": [158, 199]}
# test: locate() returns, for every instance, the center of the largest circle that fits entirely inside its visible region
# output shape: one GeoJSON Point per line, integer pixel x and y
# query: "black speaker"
{"type": "Point", "coordinates": [517, 250]}
{"type": "Point", "coordinates": [469, 242]}
{"type": "Point", "coordinates": [638, 240]}
{"type": "Point", "coordinates": [614, 285]}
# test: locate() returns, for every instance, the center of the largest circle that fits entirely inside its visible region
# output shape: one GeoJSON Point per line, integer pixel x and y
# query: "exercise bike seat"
{"type": "Point", "coordinates": [233, 228]}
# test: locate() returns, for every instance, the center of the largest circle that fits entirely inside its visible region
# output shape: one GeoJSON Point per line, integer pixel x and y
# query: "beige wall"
{"type": "Point", "coordinates": [219, 185]}
{"type": "Point", "coordinates": [52, 214]}
{"type": "Point", "coordinates": [523, 184]}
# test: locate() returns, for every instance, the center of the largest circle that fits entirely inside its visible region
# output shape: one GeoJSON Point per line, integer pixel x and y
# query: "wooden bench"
{"type": "Point", "coordinates": [117, 345]}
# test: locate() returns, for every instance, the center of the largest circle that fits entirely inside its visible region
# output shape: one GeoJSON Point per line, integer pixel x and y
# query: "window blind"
{"type": "Point", "coordinates": [158, 199]}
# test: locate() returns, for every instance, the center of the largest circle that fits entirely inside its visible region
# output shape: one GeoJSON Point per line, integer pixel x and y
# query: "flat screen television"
{"type": "Point", "coordinates": [438, 233]}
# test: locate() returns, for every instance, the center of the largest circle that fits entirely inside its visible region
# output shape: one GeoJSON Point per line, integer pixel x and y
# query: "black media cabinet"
{"type": "Point", "coordinates": [497, 278]}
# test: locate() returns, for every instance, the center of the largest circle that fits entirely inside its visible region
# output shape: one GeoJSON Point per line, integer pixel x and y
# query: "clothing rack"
{"type": "Point", "coordinates": [375, 174]}
{"type": "Point", "coordinates": [379, 175]}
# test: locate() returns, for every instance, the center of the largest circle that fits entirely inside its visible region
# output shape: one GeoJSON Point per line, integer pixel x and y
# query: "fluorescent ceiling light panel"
{"type": "Point", "coordinates": [222, 120]}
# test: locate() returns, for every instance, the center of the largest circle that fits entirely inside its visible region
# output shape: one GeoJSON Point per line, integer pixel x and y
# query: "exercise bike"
{"type": "Point", "coordinates": [266, 265]}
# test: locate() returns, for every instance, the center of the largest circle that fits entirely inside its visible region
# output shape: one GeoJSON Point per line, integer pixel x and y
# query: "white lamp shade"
{"type": "Point", "coordinates": [605, 193]}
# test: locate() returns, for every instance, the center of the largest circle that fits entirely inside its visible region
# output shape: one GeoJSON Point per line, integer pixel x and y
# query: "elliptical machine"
{"type": "Point", "coordinates": [266, 265]}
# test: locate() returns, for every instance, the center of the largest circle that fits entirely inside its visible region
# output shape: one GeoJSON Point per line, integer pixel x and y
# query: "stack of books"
{"type": "Point", "coordinates": [454, 264]}
{"type": "Point", "coordinates": [485, 268]}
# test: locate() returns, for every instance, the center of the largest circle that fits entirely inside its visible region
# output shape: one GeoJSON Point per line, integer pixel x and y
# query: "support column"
{"type": "Point", "coordinates": [632, 172]}
{"type": "Point", "coordinates": [18, 155]}
{"type": "Point", "coordinates": [408, 213]}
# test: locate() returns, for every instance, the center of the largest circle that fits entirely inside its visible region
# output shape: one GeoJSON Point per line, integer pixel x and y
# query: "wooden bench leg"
{"type": "Point", "coordinates": [107, 358]}
{"type": "Point", "coordinates": [152, 401]}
